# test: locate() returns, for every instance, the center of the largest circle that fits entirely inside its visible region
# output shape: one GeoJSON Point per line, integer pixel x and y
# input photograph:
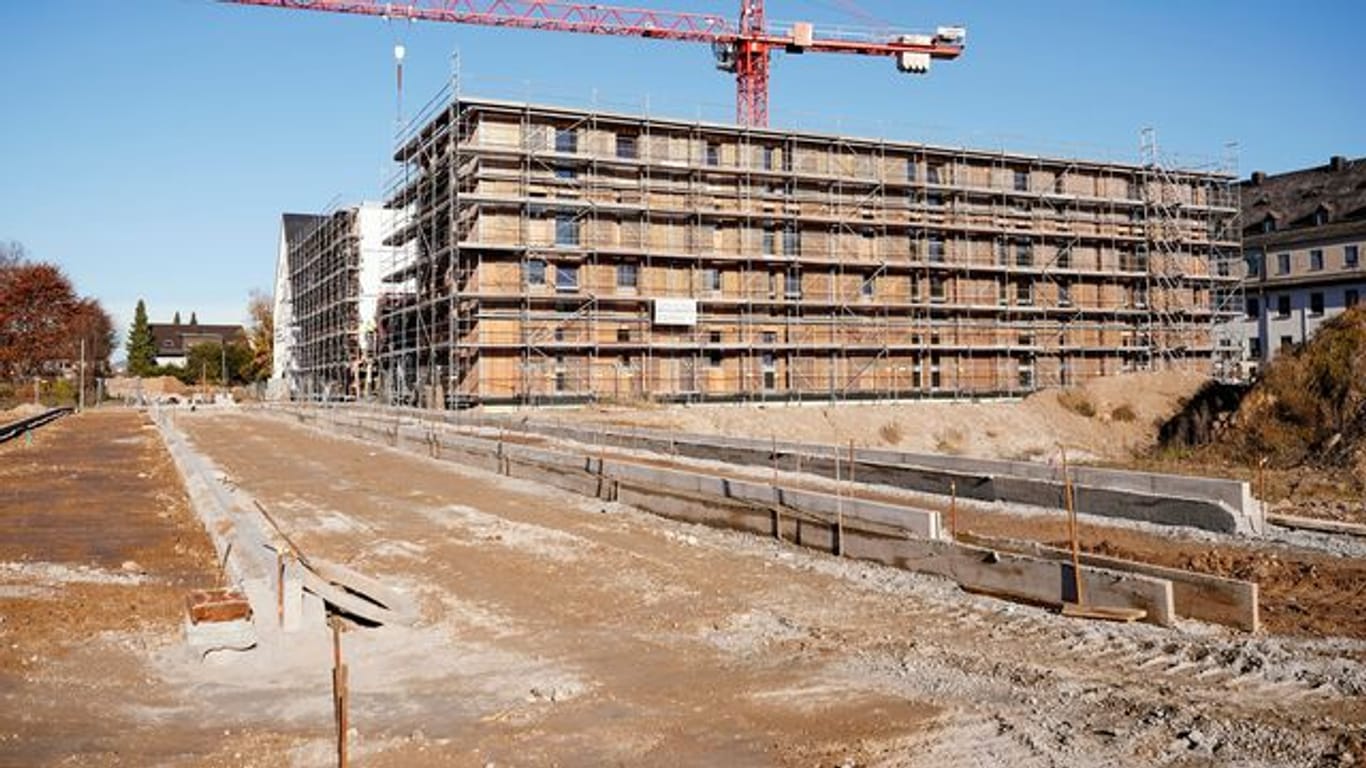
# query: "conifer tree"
{"type": "Point", "coordinates": [142, 350]}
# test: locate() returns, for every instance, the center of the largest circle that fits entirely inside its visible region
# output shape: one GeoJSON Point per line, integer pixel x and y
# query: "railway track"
{"type": "Point", "coordinates": [16, 428]}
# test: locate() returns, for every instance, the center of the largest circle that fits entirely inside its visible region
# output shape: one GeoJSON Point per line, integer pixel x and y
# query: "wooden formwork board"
{"type": "Point", "coordinates": [1203, 597]}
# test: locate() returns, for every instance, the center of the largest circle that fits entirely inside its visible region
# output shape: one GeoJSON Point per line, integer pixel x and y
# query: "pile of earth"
{"type": "Point", "coordinates": [1308, 409]}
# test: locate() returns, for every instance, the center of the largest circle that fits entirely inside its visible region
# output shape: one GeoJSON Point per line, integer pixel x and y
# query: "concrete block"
{"type": "Point", "coordinates": [207, 637]}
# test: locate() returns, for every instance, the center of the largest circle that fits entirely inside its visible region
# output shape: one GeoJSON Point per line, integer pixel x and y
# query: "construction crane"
{"type": "Point", "coordinates": [743, 49]}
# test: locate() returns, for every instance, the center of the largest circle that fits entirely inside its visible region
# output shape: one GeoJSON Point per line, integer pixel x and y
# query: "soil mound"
{"type": "Point", "coordinates": [1309, 408]}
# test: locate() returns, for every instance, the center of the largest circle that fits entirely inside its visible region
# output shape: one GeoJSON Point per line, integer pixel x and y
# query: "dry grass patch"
{"type": "Point", "coordinates": [950, 441]}
{"type": "Point", "coordinates": [891, 433]}
{"type": "Point", "coordinates": [1077, 401]}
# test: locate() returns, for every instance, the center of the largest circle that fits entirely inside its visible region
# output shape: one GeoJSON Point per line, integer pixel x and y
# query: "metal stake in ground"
{"type": "Point", "coordinates": [1079, 609]}
{"type": "Point", "coordinates": [339, 689]}
{"type": "Point", "coordinates": [773, 455]}
{"type": "Point", "coordinates": [293, 548]}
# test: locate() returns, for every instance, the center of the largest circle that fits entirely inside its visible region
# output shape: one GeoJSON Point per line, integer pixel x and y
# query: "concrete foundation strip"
{"type": "Point", "coordinates": [1215, 504]}
{"type": "Point", "coordinates": [249, 552]}
{"type": "Point", "coordinates": [911, 544]}
{"type": "Point", "coordinates": [1203, 597]}
{"type": "Point", "coordinates": [1218, 505]}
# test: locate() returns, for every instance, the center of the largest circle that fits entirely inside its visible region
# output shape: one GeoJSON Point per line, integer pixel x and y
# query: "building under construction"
{"type": "Point", "coordinates": [549, 254]}
{"type": "Point", "coordinates": [327, 290]}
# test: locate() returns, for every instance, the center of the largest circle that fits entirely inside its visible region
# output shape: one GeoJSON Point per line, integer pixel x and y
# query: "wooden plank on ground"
{"type": "Point", "coordinates": [1103, 613]}
{"type": "Point", "coordinates": [1315, 524]}
{"type": "Point", "coordinates": [1041, 581]}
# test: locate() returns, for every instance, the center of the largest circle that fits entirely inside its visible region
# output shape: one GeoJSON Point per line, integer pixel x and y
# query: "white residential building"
{"type": "Point", "coordinates": [1304, 233]}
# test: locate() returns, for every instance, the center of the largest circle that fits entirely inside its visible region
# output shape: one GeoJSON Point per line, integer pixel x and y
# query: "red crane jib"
{"type": "Point", "coordinates": [751, 40]}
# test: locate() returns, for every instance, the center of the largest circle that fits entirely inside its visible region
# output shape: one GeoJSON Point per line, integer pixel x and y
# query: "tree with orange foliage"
{"type": "Point", "coordinates": [42, 320]}
{"type": "Point", "coordinates": [261, 334]}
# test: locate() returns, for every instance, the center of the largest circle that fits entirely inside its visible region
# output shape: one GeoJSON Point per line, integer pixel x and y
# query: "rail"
{"type": "Point", "coordinates": [16, 428]}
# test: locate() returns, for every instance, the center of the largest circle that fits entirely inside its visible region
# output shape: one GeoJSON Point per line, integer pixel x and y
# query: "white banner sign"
{"type": "Point", "coordinates": [676, 312]}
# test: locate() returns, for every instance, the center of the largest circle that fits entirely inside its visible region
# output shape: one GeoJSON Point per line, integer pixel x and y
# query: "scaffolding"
{"type": "Point", "coordinates": [561, 255]}
{"type": "Point", "coordinates": [323, 266]}
{"type": "Point", "coordinates": [1193, 248]}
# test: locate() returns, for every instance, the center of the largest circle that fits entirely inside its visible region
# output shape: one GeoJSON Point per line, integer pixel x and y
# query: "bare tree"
{"type": "Point", "coordinates": [12, 254]}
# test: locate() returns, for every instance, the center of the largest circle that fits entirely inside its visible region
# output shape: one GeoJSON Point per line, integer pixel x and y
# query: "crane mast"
{"type": "Point", "coordinates": [744, 49]}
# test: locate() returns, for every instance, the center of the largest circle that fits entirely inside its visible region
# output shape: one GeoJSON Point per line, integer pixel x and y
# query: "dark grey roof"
{"type": "Point", "coordinates": [175, 339]}
{"type": "Point", "coordinates": [1294, 199]}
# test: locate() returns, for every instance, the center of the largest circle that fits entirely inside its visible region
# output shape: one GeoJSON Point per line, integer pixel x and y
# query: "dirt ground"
{"type": "Point", "coordinates": [1026, 430]}
{"type": "Point", "coordinates": [558, 630]}
{"type": "Point", "coordinates": [21, 411]}
{"type": "Point", "coordinates": [99, 548]}
{"type": "Point", "coordinates": [565, 630]}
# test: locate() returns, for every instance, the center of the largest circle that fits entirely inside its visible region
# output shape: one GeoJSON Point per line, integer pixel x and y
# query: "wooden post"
{"type": "Point", "coordinates": [1261, 482]}
{"type": "Point", "coordinates": [773, 455]}
{"type": "Point", "coordinates": [503, 468]}
{"type": "Point", "coordinates": [852, 463]}
{"type": "Point", "coordinates": [839, 507]}
{"type": "Point", "coordinates": [602, 450]}
{"type": "Point", "coordinates": [1072, 528]}
{"type": "Point", "coordinates": [339, 691]}
{"type": "Point", "coordinates": [953, 510]}
{"type": "Point", "coordinates": [279, 586]}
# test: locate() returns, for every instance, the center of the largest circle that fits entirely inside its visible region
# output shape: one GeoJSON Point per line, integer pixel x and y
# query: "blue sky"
{"type": "Point", "coordinates": [149, 146]}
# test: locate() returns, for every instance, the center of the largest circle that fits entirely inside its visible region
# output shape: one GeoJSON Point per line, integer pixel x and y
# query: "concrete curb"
{"type": "Point", "coordinates": [240, 534]}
